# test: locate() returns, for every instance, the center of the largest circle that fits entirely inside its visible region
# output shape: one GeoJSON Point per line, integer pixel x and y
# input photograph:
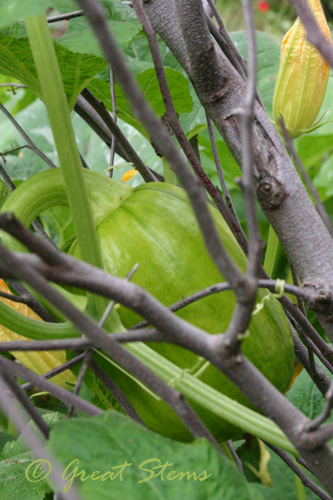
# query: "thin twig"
{"type": "Point", "coordinates": [114, 116]}
{"type": "Point", "coordinates": [311, 343]}
{"type": "Point", "coordinates": [308, 483]}
{"type": "Point", "coordinates": [225, 42]}
{"type": "Point", "coordinates": [325, 413]}
{"type": "Point", "coordinates": [116, 392]}
{"type": "Point", "coordinates": [17, 85]}
{"type": "Point", "coordinates": [319, 377]}
{"type": "Point", "coordinates": [31, 301]}
{"type": "Point", "coordinates": [173, 122]}
{"type": "Point", "coordinates": [56, 371]}
{"type": "Point", "coordinates": [26, 402]}
{"type": "Point", "coordinates": [65, 17]}
{"type": "Point", "coordinates": [147, 175]}
{"type": "Point", "coordinates": [34, 442]}
{"type": "Point", "coordinates": [219, 168]}
{"type": "Point", "coordinates": [235, 456]}
{"type": "Point", "coordinates": [29, 142]}
{"type": "Point", "coordinates": [79, 344]}
{"type": "Point", "coordinates": [41, 382]}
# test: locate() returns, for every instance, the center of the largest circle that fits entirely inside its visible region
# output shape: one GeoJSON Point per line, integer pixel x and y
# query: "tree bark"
{"type": "Point", "coordinates": [182, 26]}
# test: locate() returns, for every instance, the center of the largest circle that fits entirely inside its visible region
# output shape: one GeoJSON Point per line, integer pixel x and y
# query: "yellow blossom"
{"type": "Point", "coordinates": [302, 77]}
{"type": "Point", "coordinates": [38, 361]}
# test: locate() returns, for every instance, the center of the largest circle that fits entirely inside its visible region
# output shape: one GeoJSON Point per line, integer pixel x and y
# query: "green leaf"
{"type": "Point", "coordinates": [147, 80]}
{"type": "Point", "coordinates": [324, 178]}
{"type": "Point", "coordinates": [80, 39]}
{"type": "Point", "coordinates": [194, 122]}
{"type": "Point", "coordinates": [268, 58]}
{"type": "Point", "coordinates": [5, 438]}
{"type": "Point", "coordinates": [14, 484]}
{"type": "Point", "coordinates": [311, 148]}
{"type": "Point", "coordinates": [230, 168]}
{"type": "Point", "coordinates": [13, 10]}
{"type": "Point", "coordinates": [112, 442]}
{"type": "Point", "coordinates": [76, 69]}
{"type": "Point", "coordinates": [24, 163]}
{"type": "Point", "coordinates": [305, 395]}
{"type": "Point", "coordinates": [283, 479]}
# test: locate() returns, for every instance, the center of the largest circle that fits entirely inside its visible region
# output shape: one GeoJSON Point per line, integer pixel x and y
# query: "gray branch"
{"type": "Point", "coordinates": [280, 191]}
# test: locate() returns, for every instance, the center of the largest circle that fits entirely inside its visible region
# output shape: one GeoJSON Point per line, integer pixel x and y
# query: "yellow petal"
{"type": "Point", "coordinates": [40, 361]}
{"type": "Point", "coordinates": [128, 175]}
{"type": "Point", "coordinates": [302, 78]}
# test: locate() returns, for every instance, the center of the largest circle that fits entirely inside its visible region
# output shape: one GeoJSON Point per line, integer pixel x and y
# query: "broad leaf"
{"type": "Point", "coordinates": [13, 10]}
{"type": "Point", "coordinates": [141, 462]}
{"type": "Point", "coordinates": [283, 483]}
{"type": "Point", "coordinates": [80, 38]}
{"type": "Point", "coordinates": [77, 69]}
{"type": "Point", "coordinates": [149, 85]}
{"type": "Point", "coordinates": [15, 482]}
{"type": "Point", "coordinates": [268, 58]}
{"type": "Point", "coordinates": [306, 396]}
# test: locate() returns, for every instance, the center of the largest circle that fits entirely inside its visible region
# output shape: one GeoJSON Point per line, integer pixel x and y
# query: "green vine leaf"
{"type": "Point", "coordinates": [149, 85]}
{"type": "Point", "coordinates": [76, 69]}
{"type": "Point", "coordinates": [13, 10]}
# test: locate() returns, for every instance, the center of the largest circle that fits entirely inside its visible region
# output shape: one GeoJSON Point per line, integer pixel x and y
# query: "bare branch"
{"type": "Point", "coordinates": [29, 142]}
{"type": "Point", "coordinates": [159, 134]}
{"type": "Point", "coordinates": [34, 442]}
{"type": "Point", "coordinates": [26, 402]}
{"type": "Point", "coordinates": [308, 483]}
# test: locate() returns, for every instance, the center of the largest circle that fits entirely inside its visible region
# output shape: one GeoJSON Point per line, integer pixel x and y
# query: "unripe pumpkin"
{"type": "Point", "coordinates": [302, 78]}
{"type": "Point", "coordinates": [154, 225]}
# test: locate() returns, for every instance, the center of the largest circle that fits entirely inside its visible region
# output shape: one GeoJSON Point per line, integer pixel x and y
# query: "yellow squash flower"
{"type": "Point", "coordinates": [302, 77]}
{"type": "Point", "coordinates": [39, 361]}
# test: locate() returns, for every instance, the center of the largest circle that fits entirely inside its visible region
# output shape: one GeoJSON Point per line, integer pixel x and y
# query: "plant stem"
{"type": "Point", "coordinates": [207, 397]}
{"type": "Point", "coordinates": [54, 98]}
{"type": "Point", "coordinates": [271, 252]}
{"type": "Point", "coordinates": [169, 174]}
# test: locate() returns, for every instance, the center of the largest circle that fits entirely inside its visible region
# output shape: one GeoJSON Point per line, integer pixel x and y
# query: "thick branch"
{"type": "Point", "coordinates": [222, 91]}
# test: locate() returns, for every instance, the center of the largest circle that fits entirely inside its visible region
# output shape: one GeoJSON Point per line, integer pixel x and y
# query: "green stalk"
{"type": "Point", "coordinates": [272, 252]}
{"type": "Point", "coordinates": [192, 388]}
{"type": "Point", "coordinates": [209, 398]}
{"type": "Point", "coordinates": [169, 174]}
{"type": "Point", "coordinates": [33, 328]}
{"type": "Point", "coordinates": [54, 98]}
{"type": "Point", "coordinates": [227, 452]}
{"type": "Point", "coordinates": [300, 488]}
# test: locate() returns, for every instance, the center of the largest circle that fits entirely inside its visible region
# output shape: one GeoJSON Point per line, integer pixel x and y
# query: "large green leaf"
{"type": "Point", "coordinates": [110, 441]}
{"type": "Point", "coordinates": [283, 482]}
{"type": "Point", "coordinates": [79, 37]}
{"type": "Point", "coordinates": [13, 10]}
{"type": "Point", "coordinates": [149, 85]}
{"type": "Point", "coordinates": [15, 482]}
{"type": "Point", "coordinates": [268, 58]}
{"type": "Point", "coordinates": [306, 396]}
{"type": "Point", "coordinates": [77, 69]}
{"type": "Point", "coordinates": [112, 457]}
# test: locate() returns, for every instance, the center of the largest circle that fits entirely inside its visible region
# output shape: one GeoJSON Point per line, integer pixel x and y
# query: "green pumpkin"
{"type": "Point", "coordinates": [154, 225]}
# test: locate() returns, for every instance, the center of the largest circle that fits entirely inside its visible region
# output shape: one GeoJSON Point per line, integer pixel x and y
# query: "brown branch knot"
{"type": "Point", "coordinates": [320, 296]}
{"type": "Point", "coordinates": [270, 193]}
